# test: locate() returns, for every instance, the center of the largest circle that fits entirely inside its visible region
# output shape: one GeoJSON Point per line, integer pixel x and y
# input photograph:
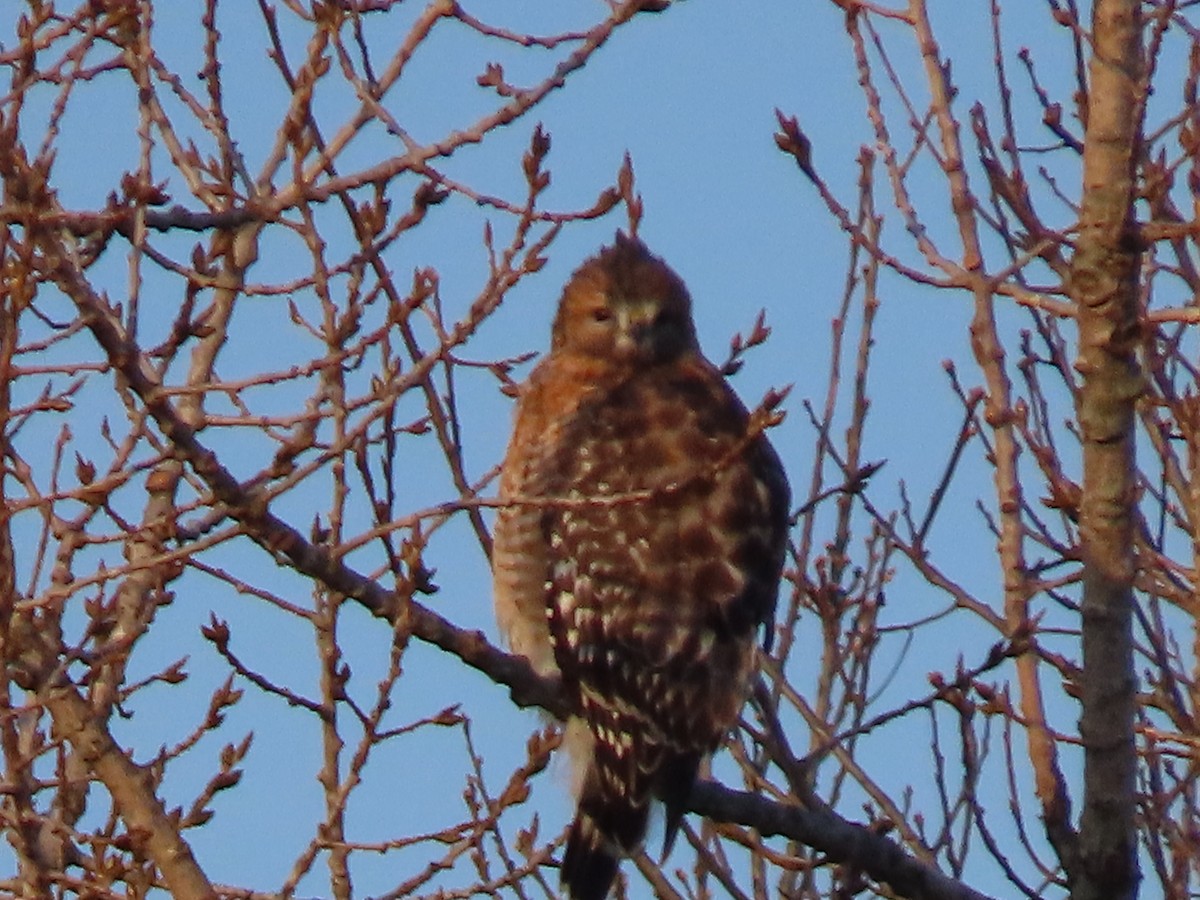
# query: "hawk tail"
{"type": "Point", "coordinates": [607, 827]}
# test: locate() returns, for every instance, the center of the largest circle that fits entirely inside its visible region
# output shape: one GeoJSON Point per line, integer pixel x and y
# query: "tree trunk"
{"type": "Point", "coordinates": [1104, 284]}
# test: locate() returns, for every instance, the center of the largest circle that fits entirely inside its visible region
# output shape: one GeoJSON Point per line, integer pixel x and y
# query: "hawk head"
{"type": "Point", "coordinates": [625, 305]}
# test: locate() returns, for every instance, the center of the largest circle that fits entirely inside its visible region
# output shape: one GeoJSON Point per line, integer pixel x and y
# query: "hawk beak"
{"type": "Point", "coordinates": [635, 332]}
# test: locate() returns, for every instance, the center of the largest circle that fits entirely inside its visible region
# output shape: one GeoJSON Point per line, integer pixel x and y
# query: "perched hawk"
{"type": "Point", "coordinates": [639, 548]}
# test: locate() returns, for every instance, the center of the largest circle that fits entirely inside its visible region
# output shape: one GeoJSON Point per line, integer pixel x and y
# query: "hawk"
{"type": "Point", "coordinates": [638, 548]}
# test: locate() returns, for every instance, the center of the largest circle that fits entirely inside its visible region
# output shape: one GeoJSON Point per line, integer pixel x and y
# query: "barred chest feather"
{"type": "Point", "coordinates": [665, 558]}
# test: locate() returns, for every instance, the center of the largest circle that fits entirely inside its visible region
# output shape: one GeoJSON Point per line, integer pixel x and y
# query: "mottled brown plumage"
{"type": "Point", "coordinates": [640, 549]}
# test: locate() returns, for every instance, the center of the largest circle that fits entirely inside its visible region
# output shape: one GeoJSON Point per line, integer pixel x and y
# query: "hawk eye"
{"type": "Point", "coordinates": [601, 314]}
